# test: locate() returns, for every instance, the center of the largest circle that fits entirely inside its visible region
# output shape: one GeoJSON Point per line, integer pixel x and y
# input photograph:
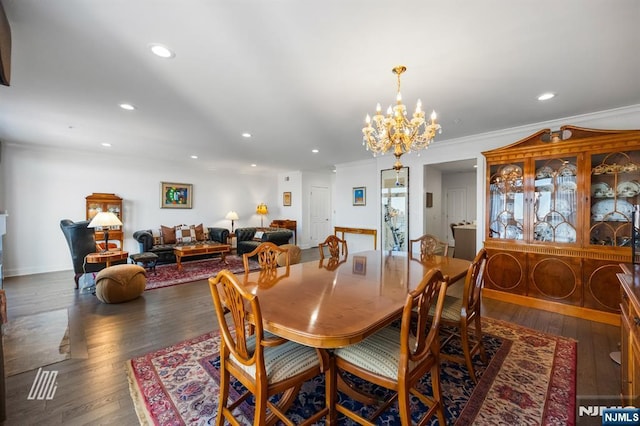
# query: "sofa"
{"type": "Point", "coordinates": [247, 241]}
{"type": "Point", "coordinates": [162, 241]}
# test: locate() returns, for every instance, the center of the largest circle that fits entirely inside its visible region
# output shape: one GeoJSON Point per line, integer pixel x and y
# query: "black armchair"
{"type": "Point", "coordinates": [81, 241]}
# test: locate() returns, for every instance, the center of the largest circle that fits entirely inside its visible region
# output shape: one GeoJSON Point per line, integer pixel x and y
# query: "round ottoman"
{"type": "Point", "coordinates": [294, 255]}
{"type": "Point", "coordinates": [120, 283]}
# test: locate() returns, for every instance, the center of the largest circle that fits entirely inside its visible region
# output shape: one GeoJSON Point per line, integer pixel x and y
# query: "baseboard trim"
{"type": "Point", "coordinates": [560, 308]}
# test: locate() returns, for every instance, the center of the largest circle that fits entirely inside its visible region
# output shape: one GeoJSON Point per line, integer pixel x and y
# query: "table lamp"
{"type": "Point", "coordinates": [262, 210]}
{"type": "Point", "coordinates": [105, 220]}
{"type": "Point", "coordinates": [232, 216]}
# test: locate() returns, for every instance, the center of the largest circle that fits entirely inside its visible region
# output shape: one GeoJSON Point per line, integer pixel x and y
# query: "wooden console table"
{"type": "Point", "coordinates": [287, 224]}
{"type": "Point", "coordinates": [346, 230]}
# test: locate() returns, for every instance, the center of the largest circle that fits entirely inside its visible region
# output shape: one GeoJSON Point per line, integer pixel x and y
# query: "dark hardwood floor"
{"type": "Point", "coordinates": [92, 386]}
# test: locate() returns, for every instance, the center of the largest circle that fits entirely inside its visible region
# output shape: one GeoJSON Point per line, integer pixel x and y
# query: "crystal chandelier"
{"type": "Point", "coordinates": [396, 131]}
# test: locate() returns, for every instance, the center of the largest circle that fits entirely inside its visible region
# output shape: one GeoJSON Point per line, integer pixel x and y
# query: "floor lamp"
{"type": "Point", "coordinates": [262, 210]}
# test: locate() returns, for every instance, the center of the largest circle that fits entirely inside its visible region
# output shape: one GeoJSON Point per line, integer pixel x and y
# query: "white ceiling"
{"type": "Point", "coordinates": [302, 74]}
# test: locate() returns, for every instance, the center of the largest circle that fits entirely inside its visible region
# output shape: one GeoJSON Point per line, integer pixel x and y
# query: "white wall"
{"type": "Point", "coordinates": [349, 176]}
{"type": "Point", "coordinates": [433, 216]}
{"type": "Point", "coordinates": [291, 182]}
{"type": "Point", "coordinates": [43, 186]}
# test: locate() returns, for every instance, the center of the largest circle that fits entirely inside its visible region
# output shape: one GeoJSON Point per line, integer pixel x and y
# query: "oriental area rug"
{"type": "Point", "coordinates": [530, 379]}
{"type": "Point", "coordinates": [194, 270]}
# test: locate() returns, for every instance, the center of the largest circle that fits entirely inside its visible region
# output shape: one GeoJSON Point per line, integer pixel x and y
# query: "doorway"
{"type": "Point", "coordinates": [454, 187]}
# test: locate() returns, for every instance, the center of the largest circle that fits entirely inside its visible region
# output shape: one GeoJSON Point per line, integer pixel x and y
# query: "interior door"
{"type": "Point", "coordinates": [320, 211]}
{"type": "Point", "coordinates": [456, 209]}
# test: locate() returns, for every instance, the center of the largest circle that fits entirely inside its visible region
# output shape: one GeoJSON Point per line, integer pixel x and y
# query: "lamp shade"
{"type": "Point", "coordinates": [232, 216]}
{"type": "Point", "coordinates": [104, 219]}
{"type": "Point", "coordinates": [262, 209]}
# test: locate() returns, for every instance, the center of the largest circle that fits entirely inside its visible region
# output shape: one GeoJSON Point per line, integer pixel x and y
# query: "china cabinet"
{"type": "Point", "coordinates": [105, 202]}
{"type": "Point", "coordinates": [558, 222]}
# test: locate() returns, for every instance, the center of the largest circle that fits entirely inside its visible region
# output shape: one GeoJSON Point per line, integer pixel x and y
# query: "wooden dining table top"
{"type": "Point", "coordinates": [328, 305]}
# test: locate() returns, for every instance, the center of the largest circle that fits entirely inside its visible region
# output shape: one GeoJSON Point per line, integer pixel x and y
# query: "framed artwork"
{"type": "Point", "coordinates": [360, 196]}
{"type": "Point", "coordinates": [176, 195]}
{"type": "Point", "coordinates": [394, 197]}
{"type": "Point", "coordinates": [286, 198]}
{"type": "Point", "coordinates": [360, 265]}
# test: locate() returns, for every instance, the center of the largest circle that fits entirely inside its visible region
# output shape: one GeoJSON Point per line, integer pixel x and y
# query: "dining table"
{"type": "Point", "coordinates": [333, 303]}
{"type": "Point", "coordinates": [328, 304]}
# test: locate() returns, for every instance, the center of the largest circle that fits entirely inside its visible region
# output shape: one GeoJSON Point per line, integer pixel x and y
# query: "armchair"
{"type": "Point", "coordinates": [81, 241]}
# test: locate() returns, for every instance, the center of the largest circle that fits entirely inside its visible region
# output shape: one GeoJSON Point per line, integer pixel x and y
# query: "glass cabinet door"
{"type": "Point", "coordinates": [93, 209]}
{"type": "Point", "coordinates": [615, 189]}
{"type": "Point", "coordinates": [506, 201]}
{"type": "Point", "coordinates": [555, 200]}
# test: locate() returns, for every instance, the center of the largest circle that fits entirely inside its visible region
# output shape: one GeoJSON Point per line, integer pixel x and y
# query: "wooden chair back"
{"type": "Point", "coordinates": [418, 341]}
{"type": "Point", "coordinates": [429, 246]}
{"type": "Point", "coordinates": [240, 303]}
{"type": "Point", "coordinates": [419, 352]}
{"type": "Point", "coordinates": [246, 356]}
{"type": "Point", "coordinates": [465, 316]}
{"type": "Point", "coordinates": [267, 254]}
{"type": "Point", "coordinates": [474, 281]}
{"type": "Point", "coordinates": [336, 246]}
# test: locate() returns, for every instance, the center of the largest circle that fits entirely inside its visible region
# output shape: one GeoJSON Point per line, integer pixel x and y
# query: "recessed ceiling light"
{"type": "Point", "coordinates": [246, 135]}
{"type": "Point", "coordinates": [106, 144]}
{"type": "Point", "coordinates": [546, 96]}
{"type": "Point", "coordinates": [253, 165]}
{"type": "Point", "coordinates": [162, 51]}
{"type": "Point", "coordinates": [128, 107]}
{"type": "Point", "coordinates": [195, 157]}
{"type": "Point", "coordinates": [315, 151]}
{"type": "Point", "coordinates": [475, 166]}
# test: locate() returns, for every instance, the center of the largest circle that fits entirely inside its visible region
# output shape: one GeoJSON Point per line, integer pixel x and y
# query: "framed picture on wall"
{"type": "Point", "coordinates": [286, 198]}
{"type": "Point", "coordinates": [176, 195]}
{"type": "Point", "coordinates": [360, 196]}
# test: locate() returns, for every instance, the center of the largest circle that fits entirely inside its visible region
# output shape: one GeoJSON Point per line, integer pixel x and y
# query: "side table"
{"type": "Point", "coordinates": [107, 257]}
{"type": "Point", "coordinates": [230, 239]}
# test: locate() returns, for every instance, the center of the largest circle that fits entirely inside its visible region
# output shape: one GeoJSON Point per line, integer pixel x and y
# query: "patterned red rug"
{"type": "Point", "coordinates": [530, 379]}
{"type": "Point", "coordinates": [168, 275]}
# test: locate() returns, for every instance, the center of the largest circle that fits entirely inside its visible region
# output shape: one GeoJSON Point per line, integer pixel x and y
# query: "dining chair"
{"type": "Point", "coordinates": [265, 365]}
{"type": "Point", "coordinates": [429, 246]}
{"type": "Point", "coordinates": [463, 315]}
{"type": "Point", "coordinates": [267, 254]}
{"type": "Point", "coordinates": [397, 358]}
{"type": "Point", "coordinates": [335, 245]}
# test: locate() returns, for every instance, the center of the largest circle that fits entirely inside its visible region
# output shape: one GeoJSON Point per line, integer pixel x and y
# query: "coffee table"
{"type": "Point", "coordinates": [198, 249]}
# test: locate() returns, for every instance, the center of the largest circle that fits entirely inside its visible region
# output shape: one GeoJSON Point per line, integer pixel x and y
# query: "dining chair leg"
{"type": "Point", "coordinates": [466, 350]}
{"type": "Point", "coordinates": [478, 330]}
{"type": "Point", "coordinates": [403, 405]}
{"type": "Point", "coordinates": [224, 394]}
{"type": "Point", "coordinates": [437, 393]}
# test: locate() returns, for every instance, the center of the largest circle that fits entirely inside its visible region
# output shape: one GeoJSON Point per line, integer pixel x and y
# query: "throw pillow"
{"type": "Point", "coordinates": [185, 234]}
{"type": "Point", "coordinates": [200, 233]}
{"type": "Point", "coordinates": [157, 237]}
{"type": "Point", "coordinates": [168, 235]}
